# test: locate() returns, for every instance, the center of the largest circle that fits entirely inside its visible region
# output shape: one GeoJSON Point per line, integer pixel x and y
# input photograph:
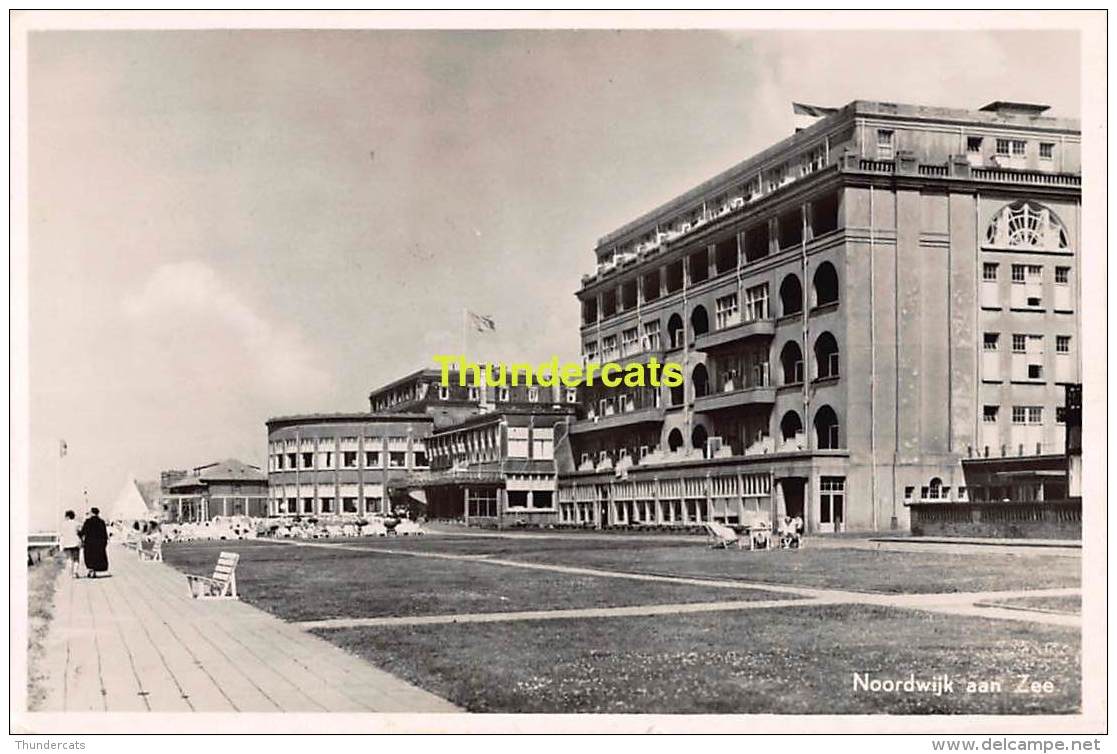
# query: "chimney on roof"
{"type": "Point", "coordinates": [1001, 107]}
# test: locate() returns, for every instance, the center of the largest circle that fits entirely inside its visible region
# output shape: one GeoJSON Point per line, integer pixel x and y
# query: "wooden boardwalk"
{"type": "Point", "coordinates": [136, 641]}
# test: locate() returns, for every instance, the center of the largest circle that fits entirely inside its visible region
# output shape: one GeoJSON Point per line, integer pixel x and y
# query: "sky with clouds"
{"type": "Point", "coordinates": [231, 225]}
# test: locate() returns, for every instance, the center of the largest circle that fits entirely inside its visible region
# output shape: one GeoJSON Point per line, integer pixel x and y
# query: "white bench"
{"type": "Point", "coordinates": [221, 585]}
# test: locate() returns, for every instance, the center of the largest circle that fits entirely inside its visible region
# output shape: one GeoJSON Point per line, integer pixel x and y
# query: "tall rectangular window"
{"type": "Point", "coordinates": [1019, 343]}
{"type": "Point", "coordinates": [1062, 344]}
{"type": "Point", "coordinates": [726, 308]}
{"type": "Point", "coordinates": [630, 342]}
{"type": "Point", "coordinates": [989, 271]}
{"type": "Point", "coordinates": [989, 414]}
{"type": "Point", "coordinates": [756, 303]}
{"type": "Point", "coordinates": [1018, 273]}
{"type": "Point", "coordinates": [1019, 414]}
{"type": "Point", "coordinates": [973, 144]}
{"type": "Point", "coordinates": [651, 335]}
{"type": "Point", "coordinates": [1062, 275]}
{"type": "Point", "coordinates": [1019, 147]}
{"type": "Point", "coordinates": [990, 341]}
{"type": "Point", "coordinates": [1046, 150]}
{"type": "Point", "coordinates": [1035, 414]}
{"type": "Point", "coordinates": [885, 148]}
{"type": "Point", "coordinates": [609, 348]}
{"type": "Point", "coordinates": [1003, 147]}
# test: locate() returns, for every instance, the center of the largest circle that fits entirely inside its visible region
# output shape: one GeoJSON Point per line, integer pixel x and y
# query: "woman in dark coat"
{"type": "Point", "coordinates": [94, 540]}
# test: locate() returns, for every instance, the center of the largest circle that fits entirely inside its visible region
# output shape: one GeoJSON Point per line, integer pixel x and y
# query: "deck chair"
{"type": "Point", "coordinates": [720, 535]}
{"type": "Point", "coordinates": [223, 583]}
{"type": "Point", "coordinates": [155, 554]}
{"type": "Point", "coordinates": [790, 539]}
{"type": "Point", "coordinates": [132, 541]}
{"type": "Point", "coordinates": [760, 535]}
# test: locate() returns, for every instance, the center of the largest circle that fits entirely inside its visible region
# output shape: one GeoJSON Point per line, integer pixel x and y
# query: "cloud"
{"type": "Point", "coordinates": [195, 328]}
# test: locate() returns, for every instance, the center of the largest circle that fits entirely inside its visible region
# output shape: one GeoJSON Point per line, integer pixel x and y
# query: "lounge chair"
{"type": "Point", "coordinates": [221, 585]}
{"type": "Point", "coordinates": [720, 535]}
{"type": "Point", "coordinates": [407, 527]}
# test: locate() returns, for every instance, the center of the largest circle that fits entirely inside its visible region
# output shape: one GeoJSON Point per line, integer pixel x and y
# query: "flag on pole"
{"type": "Point", "coordinates": [481, 322]}
{"type": "Point", "coordinates": [62, 448]}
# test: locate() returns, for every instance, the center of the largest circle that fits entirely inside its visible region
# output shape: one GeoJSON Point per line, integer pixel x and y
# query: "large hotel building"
{"type": "Point", "coordinates": [859, 309]}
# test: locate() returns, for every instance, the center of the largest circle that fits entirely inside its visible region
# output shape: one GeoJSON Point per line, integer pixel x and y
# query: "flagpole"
{"type": "Point", "coordinates": [58, 488]}
{"type": "Point", "coordinates": [465, 332]}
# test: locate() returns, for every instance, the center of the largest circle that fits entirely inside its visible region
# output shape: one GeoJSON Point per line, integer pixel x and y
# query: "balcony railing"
{"type": "Point", "coordinates": [1027, 176]}
{"type": "Point", "coordinates": [757, 327]}
{"type": "Point", "coordinates": [958, 168]}
{"type": "Point", "coordinates": [594, 423]}
{"type": "Point", "coordinates": [747, 396]}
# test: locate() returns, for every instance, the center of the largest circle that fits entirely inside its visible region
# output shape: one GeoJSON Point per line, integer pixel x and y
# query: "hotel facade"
{"type": "Point", "coordinates": [338, 464]}
{"type": "Point", "coordinates": [492, 449]}
{"type": "Point", "coordinates": [858, 309]}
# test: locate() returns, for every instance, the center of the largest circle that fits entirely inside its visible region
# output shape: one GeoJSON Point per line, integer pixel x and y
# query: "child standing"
{"type": "Point", "coordinates": [70, 542]}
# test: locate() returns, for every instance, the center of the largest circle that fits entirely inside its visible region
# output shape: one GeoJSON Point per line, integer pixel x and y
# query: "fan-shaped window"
{"type": "Point", "coordinates": [791, 359]}
{"type": "Point", "coordinates": [675, 440]}
{"type": "Point", "coordinates": [825, 284]}
{"type": "Point", "coordinates": [791, 295]}
{"type": "Point", "coordinates": [790, 426]}
{"type": "Point", "coordinates": [675, 331]}
{"type": "Point", "coordinates": [1028, 226]}
{"type": "Point", "coordinates": [700, 378]}
{"type": "Point", "coordinates": [699, 320]}
{"type": "Point", "coordinates": [826, 356]}
{"type": "Point", "coordinates": [698, 437]}
{"type": "Point", "coordinates": [826, 429]}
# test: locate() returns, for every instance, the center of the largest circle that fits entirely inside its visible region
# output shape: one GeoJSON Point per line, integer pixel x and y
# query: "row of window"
{"type": "Point", "coordinates": [728, 313]}
{"type": "Point", "coordinates": [764, 181]}
{"type": "Point", "coordinates": [504, 394]}
{"type": "Point", "coordinates": [1028, 362]}
{"type": "Point", "coordinates": [784, 232]}
{"type": "Point", "coordinates": [1025, 343]}
{"type": "Point", "coordinates": [1022, 414]}
{"type": "Point", "coordinates": [483, 445]}
{"type": "Point", "coordinates": [1003, 147]}
{"type": "Point", "coordinates": [1028, 288]}
{"type": "Point", "coordinates": [310, 505]}
{"type": "Point", "coordinates": [351, 459]}
{"type": "Point", "coordinates": [1024, 273]}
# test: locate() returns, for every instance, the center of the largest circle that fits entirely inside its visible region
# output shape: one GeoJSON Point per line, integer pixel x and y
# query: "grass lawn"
{"type": "Point", "coordinates": [1070, 604]}
{"type": "Point", "coordinates": [853, 568]}
{"type": "Point", "coordinates": [838, 568]}
{"type": "Point", "coordinates": [42, 580]}
{"type": "Point", "coordinates": [314, 583]}
{"type": "Point", "coordinates": [511, 546]}
{"type": "Point", "coordinates": [794, 660]}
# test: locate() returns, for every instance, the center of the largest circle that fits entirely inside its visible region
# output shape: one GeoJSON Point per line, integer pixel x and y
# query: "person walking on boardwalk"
{"type": "Point", "coordinates": [70, 541]}
{"type": "Point", "coordinates": [95, 539]}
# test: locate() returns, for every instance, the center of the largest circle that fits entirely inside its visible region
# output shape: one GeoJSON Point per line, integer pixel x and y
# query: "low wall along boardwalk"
{"type": "Point", "coordinates": [1046, 520]}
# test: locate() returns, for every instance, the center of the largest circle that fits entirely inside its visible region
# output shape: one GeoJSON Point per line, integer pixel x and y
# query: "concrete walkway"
{"type": "Point", "coordinates": [136, 641]}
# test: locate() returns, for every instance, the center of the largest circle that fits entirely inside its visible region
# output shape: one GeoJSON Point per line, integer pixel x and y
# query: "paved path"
{"type": "Point", "coordinates": [136, 641]}
{"type": "Point", "coordinates": [954, 603]}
